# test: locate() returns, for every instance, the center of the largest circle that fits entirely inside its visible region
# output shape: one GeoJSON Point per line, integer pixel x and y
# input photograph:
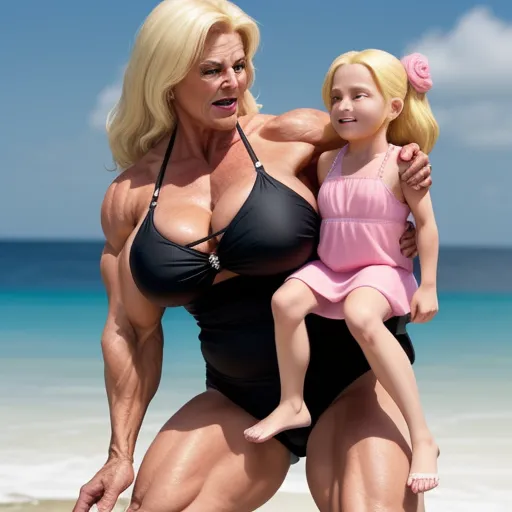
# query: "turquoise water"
{"type": "Point", "coordinates": [53, 405]}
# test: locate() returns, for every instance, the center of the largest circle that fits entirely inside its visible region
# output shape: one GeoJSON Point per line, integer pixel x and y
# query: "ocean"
{"type": "Point", "coordinates": [54, 429]}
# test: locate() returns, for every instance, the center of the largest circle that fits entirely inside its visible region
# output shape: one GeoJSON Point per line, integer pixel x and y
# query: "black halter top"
{"type": "Point", "coordinates": [275, 231]}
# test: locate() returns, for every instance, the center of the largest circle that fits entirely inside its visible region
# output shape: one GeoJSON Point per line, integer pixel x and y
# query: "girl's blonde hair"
{"type": "Point", "coordinates": [416, 122]}
{"type": "Point", "coordinates": [169, 42]}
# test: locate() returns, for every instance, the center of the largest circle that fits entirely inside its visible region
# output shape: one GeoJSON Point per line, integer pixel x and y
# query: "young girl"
{"type": "Point", "coordinates": [377, 103]}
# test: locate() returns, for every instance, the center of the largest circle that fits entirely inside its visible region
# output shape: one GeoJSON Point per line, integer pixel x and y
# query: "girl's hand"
{"type": "Point", "coordinates": [424, 305]}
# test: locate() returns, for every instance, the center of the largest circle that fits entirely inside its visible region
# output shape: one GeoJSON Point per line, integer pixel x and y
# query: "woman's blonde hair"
{"type": "Point", "coordinates": [169, 42]}
{"type": "Point", "coordinates": [416, 122]}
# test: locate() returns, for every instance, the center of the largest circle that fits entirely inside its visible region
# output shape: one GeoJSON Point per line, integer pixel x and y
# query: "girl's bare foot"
{"type": "Point", "coordinates": [423, 476]}
{"type": "Point", "coordinates": [284, 417]}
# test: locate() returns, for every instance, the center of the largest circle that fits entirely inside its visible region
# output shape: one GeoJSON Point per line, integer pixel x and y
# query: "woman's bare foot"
{"type": "Point", "coordinates": [284, 417]}
{"type": "Point", "coordinates": [423, 476]}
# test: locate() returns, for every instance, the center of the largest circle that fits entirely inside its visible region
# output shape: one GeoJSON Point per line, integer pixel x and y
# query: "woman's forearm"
{"type": "Point", "coordinates": [428, 251]}
{"type": "Point", "coordinates": [133, 367]}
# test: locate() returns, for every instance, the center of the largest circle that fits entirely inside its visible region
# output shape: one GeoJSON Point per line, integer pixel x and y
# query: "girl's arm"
{"type": "Point", "coordinates": [420, 203]}
{"type": "Point", "coordinates": [424, 305]}
{"type": "Point", "coordinates": [314, 127]}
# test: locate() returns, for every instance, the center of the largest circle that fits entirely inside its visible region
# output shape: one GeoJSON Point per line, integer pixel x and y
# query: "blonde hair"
{"type": "Point", "coordinates": [169, 42]}
{"type": "Point", "coordinates": [416, 122]}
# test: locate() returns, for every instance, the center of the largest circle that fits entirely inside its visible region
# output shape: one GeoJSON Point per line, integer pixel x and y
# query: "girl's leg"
{"type": "Point", "coordinates": [291, 303]}
{"type": "Point", "coordinates": [365, 310]}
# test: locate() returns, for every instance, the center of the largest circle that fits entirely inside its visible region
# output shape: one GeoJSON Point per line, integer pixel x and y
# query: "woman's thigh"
{"type": "Point", "coordinates": [359, 454]}
{"type": "Point", "coordinates": [200, 461]}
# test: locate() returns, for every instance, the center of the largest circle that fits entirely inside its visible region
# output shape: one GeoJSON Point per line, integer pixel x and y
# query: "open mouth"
{"type": "Point", "coordinates": [226, 102]}
{"type": "Point", "coordinates": [347, 120]}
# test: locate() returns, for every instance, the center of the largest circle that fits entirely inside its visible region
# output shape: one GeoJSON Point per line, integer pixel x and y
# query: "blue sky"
{"type": "Point", "coordinates": [61, 62]}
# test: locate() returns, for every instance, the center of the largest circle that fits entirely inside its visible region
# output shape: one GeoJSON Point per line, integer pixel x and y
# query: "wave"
{"type": "Point", "coordinates": [61, 480]}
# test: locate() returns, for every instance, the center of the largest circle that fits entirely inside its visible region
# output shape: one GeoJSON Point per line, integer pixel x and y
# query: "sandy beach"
{"type": "Point", "coordinates": [298, 502]}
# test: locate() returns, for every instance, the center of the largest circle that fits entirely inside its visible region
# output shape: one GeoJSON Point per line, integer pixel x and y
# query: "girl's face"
{"type": "Point", "coordinates": [358, 109]}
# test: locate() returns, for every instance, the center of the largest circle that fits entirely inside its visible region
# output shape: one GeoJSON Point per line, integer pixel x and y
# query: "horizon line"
{"type": "Point", "coordinates": [50, 240]}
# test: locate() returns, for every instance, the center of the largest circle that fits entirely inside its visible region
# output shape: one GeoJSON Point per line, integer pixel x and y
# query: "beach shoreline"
{"type": "Point", "coordinates": [54, 408]}
{"type": "Point", "coordinates": [298, 502]}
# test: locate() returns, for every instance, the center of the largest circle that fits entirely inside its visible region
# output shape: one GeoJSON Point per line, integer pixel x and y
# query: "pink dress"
{"type": "Point", "coordinates": [362, 222]}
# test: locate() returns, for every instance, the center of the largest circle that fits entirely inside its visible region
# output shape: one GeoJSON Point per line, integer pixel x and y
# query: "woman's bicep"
{"type": "Point", "coordinates": [128, 310]}
{"type": "Point", "coordinates": [127, 307]}
{"type": "Point", "coordinates": [306, 125]}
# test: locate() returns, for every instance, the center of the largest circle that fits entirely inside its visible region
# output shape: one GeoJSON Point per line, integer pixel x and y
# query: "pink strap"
{"type": "Point", "coordinates": [385, 161]}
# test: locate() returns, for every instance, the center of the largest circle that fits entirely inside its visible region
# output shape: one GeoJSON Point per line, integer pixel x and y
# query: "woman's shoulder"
{"type": "Point", "coordinates": [120, 209]}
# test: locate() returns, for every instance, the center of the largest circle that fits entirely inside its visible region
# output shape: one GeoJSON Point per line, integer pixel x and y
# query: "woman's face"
{"type": "Point", "coordinates": [210, 92]}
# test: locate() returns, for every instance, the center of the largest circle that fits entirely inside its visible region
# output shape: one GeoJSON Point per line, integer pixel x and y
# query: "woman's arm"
{"type": "Point", "coordinates": [305, 125]}
{"type": "Point", "coordinates": [314, 127]}
{"type": "Point", "coordinates": [132, 352]}
{"type": "Point", "coordinates": [132, 345]}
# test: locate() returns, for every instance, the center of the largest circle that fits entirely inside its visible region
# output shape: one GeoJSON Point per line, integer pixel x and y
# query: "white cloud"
{"type": "Point", "coordinates": [476, 54]}
{"type": "Point", "coordinates": [106, 99]}
{"type": "Point", "coordinates": [472, 71]}
{"type": "Point", "coordinates": [478, 124]}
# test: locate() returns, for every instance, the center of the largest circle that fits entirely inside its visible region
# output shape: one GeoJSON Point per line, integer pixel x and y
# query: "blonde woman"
{"type": "Point", "coordinates": [212, 212]}
{"type": "Point", "coordinates": [377, 103]}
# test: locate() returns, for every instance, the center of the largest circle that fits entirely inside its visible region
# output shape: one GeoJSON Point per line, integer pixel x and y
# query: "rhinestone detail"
{"type": "Point", "coordinates": [213, 259]}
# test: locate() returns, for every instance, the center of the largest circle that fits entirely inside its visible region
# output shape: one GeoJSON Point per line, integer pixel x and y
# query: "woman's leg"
{"type": "Point", "coordinates": [290, 305]}
{"type": "Point", "coordinates": [365, 310]}
{"type": "Point", "coordinates": [200, 462]}
{"type": "Point", "coordinates": [358, 454]}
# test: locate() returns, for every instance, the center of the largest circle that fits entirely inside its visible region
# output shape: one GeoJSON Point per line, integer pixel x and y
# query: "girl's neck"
{"type": "Point", "coordinates": [366, 149]}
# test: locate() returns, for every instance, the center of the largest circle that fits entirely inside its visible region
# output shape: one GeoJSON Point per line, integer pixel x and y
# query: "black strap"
{"type": "Point", "coordinates": [161, 174]}
{"type": "Point", "coordinates": [251, 152]}
{"type": "Point", "coordinates": [206, 238]}
{"type": "Point", "coordinates": [163, 168]}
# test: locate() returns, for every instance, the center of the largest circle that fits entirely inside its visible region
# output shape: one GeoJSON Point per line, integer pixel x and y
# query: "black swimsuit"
{"type": "Point", "coordinates": [274, 233]}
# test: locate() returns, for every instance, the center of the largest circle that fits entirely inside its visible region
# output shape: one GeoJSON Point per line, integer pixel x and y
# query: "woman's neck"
{"type": "Point", "coordinates": [194, 140]}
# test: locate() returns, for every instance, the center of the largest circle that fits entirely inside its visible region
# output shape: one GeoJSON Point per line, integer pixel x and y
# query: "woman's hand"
{"type": "Point", "coordinates": [106, 486]}
{"type": "Point", "coordinates": [408, 244]}
{"type": "Point", "coordinates": [417, 174]}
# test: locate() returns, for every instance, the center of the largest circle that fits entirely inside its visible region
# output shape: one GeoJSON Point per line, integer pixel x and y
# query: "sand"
{"type": "Point", "coordinates": [298, 502]}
